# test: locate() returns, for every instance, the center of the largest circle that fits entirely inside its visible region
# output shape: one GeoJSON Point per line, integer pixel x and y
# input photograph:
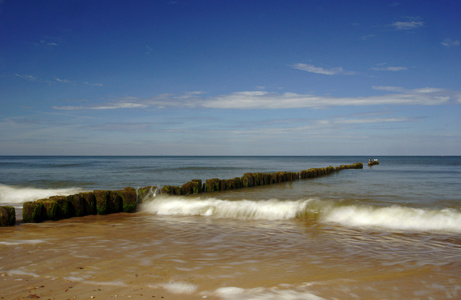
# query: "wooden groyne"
{"type": "Point", "coordinates": [196, 186]}
{"type": "Point", "coordinates": [103, 202]}
{"type": "Point", "coordinates": [7, 216]}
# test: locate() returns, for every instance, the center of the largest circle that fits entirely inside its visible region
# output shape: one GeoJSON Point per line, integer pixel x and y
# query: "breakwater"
{"type": "Point", "coordinates": [104, 202]}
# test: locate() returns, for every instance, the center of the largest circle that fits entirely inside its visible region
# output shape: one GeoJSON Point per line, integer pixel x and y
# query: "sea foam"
{"type": "Point", "coordinates": [15, 194]}
{"type": "Point", "coordinates": [231, 293]}
{"type": "Point", "coordinates": [395, 218]}
{"type": "Point", "coordinates": [176, 287]}
{"type": "Point", "coordinates": [241, 209]}
{"type": "Point", "coordinates": [325, 211]}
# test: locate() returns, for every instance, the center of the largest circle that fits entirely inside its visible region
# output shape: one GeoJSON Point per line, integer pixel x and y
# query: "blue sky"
{"type": "Point", "coordinates": [230, 77]}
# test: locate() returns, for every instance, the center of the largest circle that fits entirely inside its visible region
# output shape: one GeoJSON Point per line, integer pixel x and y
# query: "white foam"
{"type": "Point", "coordinates": [21, 242]}
{"type": "Point", "coordinates": [395, 217]}
{"type": "Point", "coordinates": [107, 283]}
{"type": "Point", "coordinates": [83, 280]}
{"type": "Point", "coordinates": [176, 287]}
{"type": "Point", "coordinates": [241, 209]}
{"type": "Point", "coordinates": [15, 194]}
{"type": "Point", "coordinates": [21, 272]}
{"type": "Point", "coordinates": [260, 293]}
{"type": "Point", "coordinates": [392, 217]}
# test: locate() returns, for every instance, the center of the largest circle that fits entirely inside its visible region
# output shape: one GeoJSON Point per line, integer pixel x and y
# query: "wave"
{"type": "Point", "coordinates": [17, 194]}
{"type": "Point", "coordinates": [396, 218]}
{"type": "Point", "coordinates": [324, 211]}
{"type": "Point", "coordinates": [241, 209]}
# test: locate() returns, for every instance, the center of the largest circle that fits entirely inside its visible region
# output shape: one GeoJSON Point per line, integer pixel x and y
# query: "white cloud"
{"type": "Point", "coordinates": [407, 25]}
{"type": "Point", "coordinates": [92, 84]}
{"type": "Point", "coordinates": [109, 106]}
{"type": "Point", "coordinates": [393, 69]}
{"type": "Point", "coordinates": [46, 43]}
{"type": "Point", "coordinates": [449, 43]}
{"type": "Point", "coordinates": [369, 121]}
{"type": "Point", "coordinates": [64, 81]}
{"type": "Point", "coordinates": [26, 77]}
{"type": "Point", "coordinates": [266, 100]}
{"type": "Point", "coordinates": [320, 70]}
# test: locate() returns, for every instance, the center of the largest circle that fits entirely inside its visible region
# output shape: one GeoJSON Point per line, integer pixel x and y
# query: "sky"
{"type": "Point", "coordinates": [240, 77]}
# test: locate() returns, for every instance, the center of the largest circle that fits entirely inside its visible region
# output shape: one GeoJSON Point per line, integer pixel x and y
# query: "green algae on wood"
{"type": "Point", "coordinates": [102, 202]}
{"type": "Point", "coordinates": [115, 202]}
{"type": "Point", "coordinates": [64, 210]}
{"type": "Point", "coordinates": [192, 187]}
{"type": "Point", "coordinates": [76, 205]}
{"type": "Point", "coordinates": [50, 209]}
{"type": "Point", "coordinates": [32, 212]}
{"type": "Point", "coordinates": [129, 199]}
{"type": "Point", "coordinates": [89, 203]}
{"type": "Point", "coordinates": [7, 216]}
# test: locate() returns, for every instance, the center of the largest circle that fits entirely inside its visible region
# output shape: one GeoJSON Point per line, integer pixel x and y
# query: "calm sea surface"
{"type": "Point", "coordinates": [391, 231]}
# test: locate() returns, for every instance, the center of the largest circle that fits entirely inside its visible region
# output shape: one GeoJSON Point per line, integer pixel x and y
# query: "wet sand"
{"type": "Point", "coordinates": [145, 256]}
{"type": "Point", "coordinates": [79, 258]}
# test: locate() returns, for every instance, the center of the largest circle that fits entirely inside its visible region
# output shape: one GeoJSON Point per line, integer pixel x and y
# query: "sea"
{"type": "Point", "coordinates": [389, 231]}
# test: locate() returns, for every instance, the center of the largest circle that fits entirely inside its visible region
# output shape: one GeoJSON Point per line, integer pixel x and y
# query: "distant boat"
{"type": "Point", "coordinates": [373, 162]}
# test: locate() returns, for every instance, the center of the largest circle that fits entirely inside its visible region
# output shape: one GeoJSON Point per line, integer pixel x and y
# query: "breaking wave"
{"type": "Point", "coordinates": [324, 211]}
{"type": "Point", "coordinates": [18, 195]}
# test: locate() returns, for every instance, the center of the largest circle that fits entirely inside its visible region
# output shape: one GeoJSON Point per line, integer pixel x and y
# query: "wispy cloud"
{"type": "Point", "coordinates": [450, 43]}
{"type": "Point", "coordinates": [266, 100]}
{"type": "Point", "coordinates": [359, 121]}
{"type": "Point", "coordinates": [46, 43]}
{"type": "Point", "coordinates": [60, 80]}
{"type": "Point", "coordinates": [108, 106]}
{"type": "Point", "coordinates": [26, 77]}
{"type": "Point", "coordinates": [320, 70]}
{"type": "Point", "coordinates": [92, 84]}
{"type": "Point", "coordinates": [390, 68]}
{"type": "Point", "coordinates": [409, 24]}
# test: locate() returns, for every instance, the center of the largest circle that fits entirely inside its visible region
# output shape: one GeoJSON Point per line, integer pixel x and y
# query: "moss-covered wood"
{"type": "Point", "coordinates": [76, 205]}
{"type": "Point", "coordinates": [7, 216]}
{"type": "Point", "coordinates": [50, 208]}
{"type": "Point", "coordinates": [192, 187]}
{"type": "Point", "coordinates": [64, 210]}
{"type": "Point", "coordinates": [102, 202]}
{"type": "Point", "coordinates": [33, 212]}
{"type": "Point", "coordinates": [171, 190]}
{"type": "Point", "coordinates": [144, 192]}
{"type": "Point", "coordinates": [129, 199]}
{"type": "Point", "coordinates": [89, 203]}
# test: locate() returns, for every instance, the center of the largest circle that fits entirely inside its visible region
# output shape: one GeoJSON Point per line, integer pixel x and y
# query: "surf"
{"type": "Point", "coordinates": [20, 194]}
{"type": "Point", "coordinates": [395, 217]}
{"type": "Point", "coordinates": [343, 213]}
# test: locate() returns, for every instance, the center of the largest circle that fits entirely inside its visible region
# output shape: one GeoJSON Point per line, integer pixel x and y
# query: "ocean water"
{"type": "Point", "coordinates": [390, 231]}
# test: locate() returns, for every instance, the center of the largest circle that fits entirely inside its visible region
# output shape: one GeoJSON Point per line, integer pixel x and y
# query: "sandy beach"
{"type": "Point", "coordinates": [58, 260]}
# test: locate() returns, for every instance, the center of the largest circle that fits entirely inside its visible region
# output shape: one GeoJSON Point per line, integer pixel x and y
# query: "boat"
{"type": "Point", "coordinates": [373, 162]}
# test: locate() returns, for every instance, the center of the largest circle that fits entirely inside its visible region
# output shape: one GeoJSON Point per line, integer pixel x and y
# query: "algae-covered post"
{"type": "Point", "coordinates": [129, 199]}
{"type": "Point", "coordinates": [7, 216]}
{"type": "Point", "coordinates": [100, 202]}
